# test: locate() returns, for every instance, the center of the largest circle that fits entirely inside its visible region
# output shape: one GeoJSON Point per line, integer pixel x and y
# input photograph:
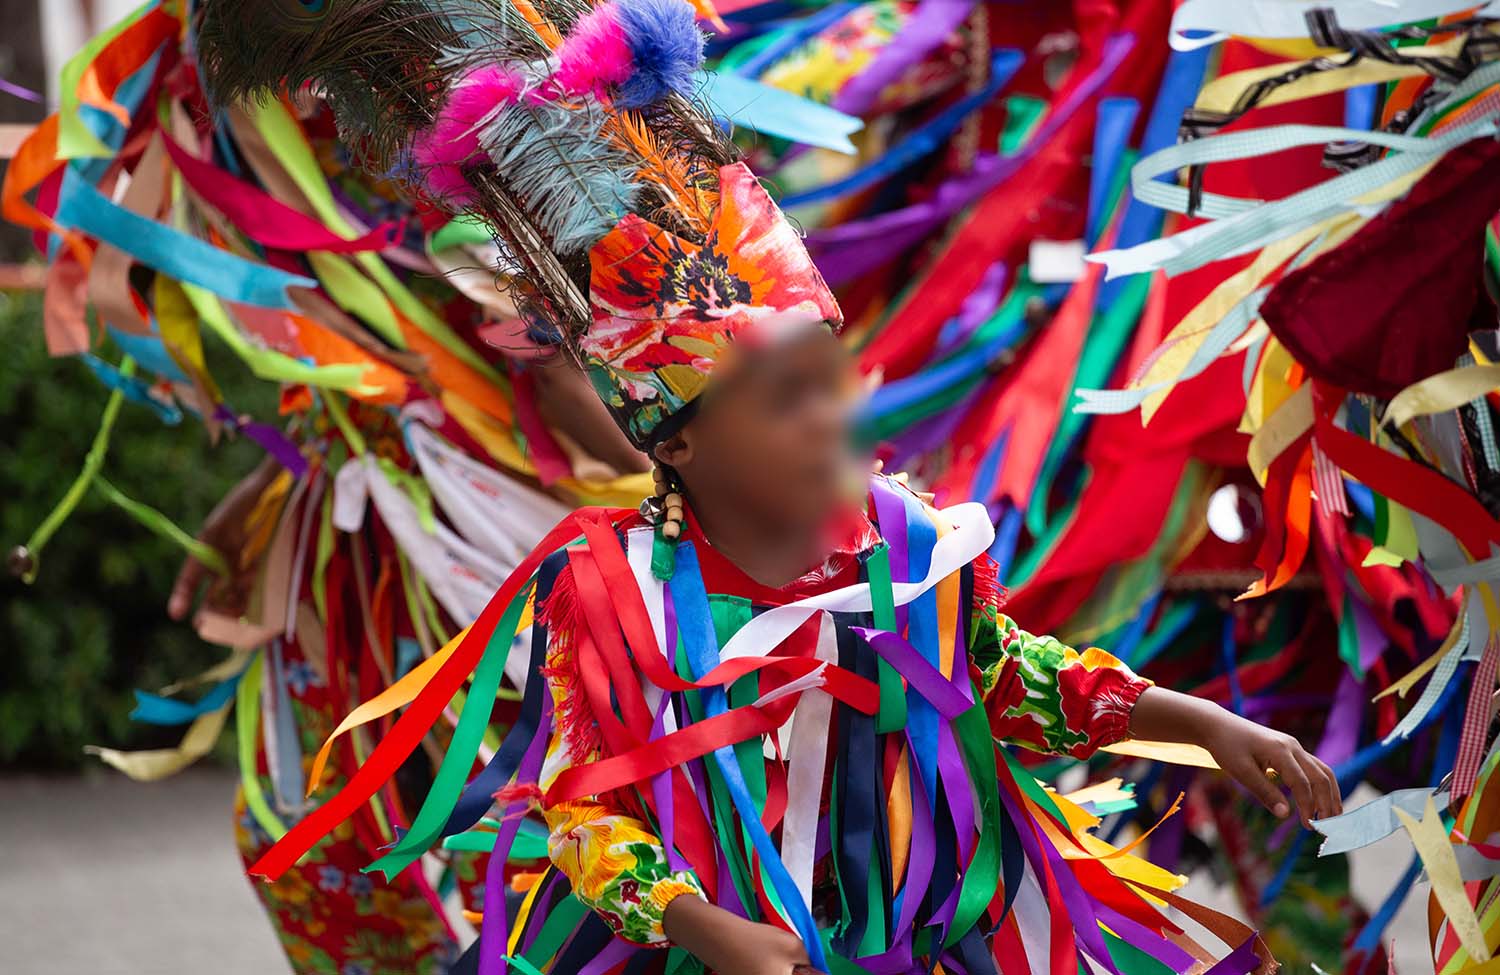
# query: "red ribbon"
{"type": "Point", "coordinates": [418, 719]}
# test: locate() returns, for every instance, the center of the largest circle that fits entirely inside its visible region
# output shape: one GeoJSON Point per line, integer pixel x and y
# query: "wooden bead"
{"type": "Point", "coordinates": [672, 500]}
{"type": "Point", "coordinates": [659, 474]}
{"type": "Point", "coordinates": [671, 531]}
{"type": "Point", "coordinates": [674, 514]}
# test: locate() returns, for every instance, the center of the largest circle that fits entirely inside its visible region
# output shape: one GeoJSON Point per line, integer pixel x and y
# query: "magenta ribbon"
{"type": "Point", "coordinates": [265, 219]}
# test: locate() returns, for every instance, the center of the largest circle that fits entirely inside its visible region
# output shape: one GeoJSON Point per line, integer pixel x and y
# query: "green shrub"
{"type": "Point", "coordinates": [94, 625]}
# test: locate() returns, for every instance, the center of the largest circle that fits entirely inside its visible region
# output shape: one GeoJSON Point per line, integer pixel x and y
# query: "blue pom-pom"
{"type": "Point", "coordinates": [665, 45]}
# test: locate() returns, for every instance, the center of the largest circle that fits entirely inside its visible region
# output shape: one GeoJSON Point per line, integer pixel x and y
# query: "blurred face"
{"type": "Point", "coordinates": [771, 436]}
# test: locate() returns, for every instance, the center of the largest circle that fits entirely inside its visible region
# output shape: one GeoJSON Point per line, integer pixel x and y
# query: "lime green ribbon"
{"type": "Point", "coordinates": [247, 731]}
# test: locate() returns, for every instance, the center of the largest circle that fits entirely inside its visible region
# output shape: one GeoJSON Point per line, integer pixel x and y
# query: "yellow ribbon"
{"type": "Point", "coordinates": [1436, 851]}
{"type": "Point", "coordinates": [1445, 391]}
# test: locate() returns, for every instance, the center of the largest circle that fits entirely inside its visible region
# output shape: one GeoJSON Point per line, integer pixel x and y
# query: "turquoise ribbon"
{"type": "Point", "coordinates": [175, 254]}
{"type": "Point", "coordinates": [771, 111]}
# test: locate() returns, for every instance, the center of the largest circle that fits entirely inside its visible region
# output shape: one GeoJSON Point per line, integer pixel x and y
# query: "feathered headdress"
{"type": "Point", "coordinates": [643, 247]}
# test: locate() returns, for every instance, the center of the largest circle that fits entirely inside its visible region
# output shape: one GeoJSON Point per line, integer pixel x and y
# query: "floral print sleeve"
{"type": "Point", "coordinates": [1044, 695]}
{"type": "Point", "coordinates": [618, 868]}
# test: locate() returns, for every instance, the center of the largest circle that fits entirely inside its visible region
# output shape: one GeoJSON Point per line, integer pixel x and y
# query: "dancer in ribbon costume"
{"type": "Point", "coordinates": [962, 106]}
{"type": "Point", "coordinates": [730, 753]}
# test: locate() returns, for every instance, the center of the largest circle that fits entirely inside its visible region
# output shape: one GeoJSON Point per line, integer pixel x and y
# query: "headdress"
{"type": "Point", "coordinates": [644, 248]}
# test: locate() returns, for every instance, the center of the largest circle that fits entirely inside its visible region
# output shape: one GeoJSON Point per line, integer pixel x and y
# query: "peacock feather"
{"type": "Point", "coordinates": [515, 110]}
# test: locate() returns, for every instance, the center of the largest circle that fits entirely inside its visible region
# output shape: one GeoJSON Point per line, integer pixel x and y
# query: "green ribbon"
{"type": "Point", "coordinates": [247, 730]}
{"type": "Point", "coordinates": [473, 721]}
{"type": "Point", "coordinates": [892, 716]}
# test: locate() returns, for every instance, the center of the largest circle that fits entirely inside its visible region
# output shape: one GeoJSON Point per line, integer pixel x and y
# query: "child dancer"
{"type": "Point", "coordinates": [762, 716]}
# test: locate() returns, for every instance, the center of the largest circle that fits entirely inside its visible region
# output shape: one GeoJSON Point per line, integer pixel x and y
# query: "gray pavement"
{"type": "Point", "coordinates": [101, 876]}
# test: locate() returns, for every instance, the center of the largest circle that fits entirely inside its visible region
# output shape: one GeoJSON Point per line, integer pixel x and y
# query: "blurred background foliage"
{"type": "Point", "coordinates": [93, 626]}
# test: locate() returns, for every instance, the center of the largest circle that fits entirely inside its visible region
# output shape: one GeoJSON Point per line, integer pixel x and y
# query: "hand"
{"type": "Point", "coordinates": [1256, 757]}
{"type": "Point", "coordinates": [730, 945]}
{"type": "Point", "coordinates": [224, 529]}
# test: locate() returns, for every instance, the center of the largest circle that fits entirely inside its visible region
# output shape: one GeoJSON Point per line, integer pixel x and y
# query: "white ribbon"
{"type": "Point", "coordinates": [972, 536]}
{"type": "Point", "coordinates": [1373, 821]}
{"type": "Point", "coordinates": [1288, 18]}
{"type": "Point", "coordinates": [493, 513]}
{"type": "Point", "coordinates": [807, 755]}
{"type": "Point", "coordinates": [461, 577]}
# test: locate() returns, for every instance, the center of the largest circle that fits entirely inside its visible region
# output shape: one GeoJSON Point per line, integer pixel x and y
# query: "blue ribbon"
{"type": "Point", "coordinates": [1111, 137]}
{"type": "Point", "coordinates": [923, 634]}
{"type": "Point", "coordinates": [778, 113]}
{"type": "Point", "coordinates": [149, 351]}
{"type": "Point", "coordinates": [158, 710]}
{"type": "Point", "coordinates": [696, 626]}
{"type": "Point", "coordinates": [84, 208]}
{"type": "Point", "coordinates": [921, 142]}
{"type": "Point", "coordinates": [134, 389]}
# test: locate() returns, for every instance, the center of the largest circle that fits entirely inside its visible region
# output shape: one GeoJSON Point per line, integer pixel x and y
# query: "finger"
{"type": "Point", "coordinates": [185, 588]}
{"type": "Point", "coordinates": [1325, 786]}
{"type": "Point", "coordinates": [1324, 791]}
{"type": "Point", "coordinates": [1286, 765]}
{"type": "Point", "coordinates": [1252, 775]}
{"type": "Point", "coordinates": [229, 595]}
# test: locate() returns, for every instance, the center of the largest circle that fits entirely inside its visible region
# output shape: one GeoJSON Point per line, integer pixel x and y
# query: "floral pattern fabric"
{"type": "Point", "coordinates": [1048, 697]}
{"type": "Point", "coordinates": [666, 309]}
{"type": "Point", "coordinates": [330, 917]}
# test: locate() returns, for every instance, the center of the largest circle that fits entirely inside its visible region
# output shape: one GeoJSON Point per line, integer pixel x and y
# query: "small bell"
{"type": "Point", "coordinates": [651, 510]}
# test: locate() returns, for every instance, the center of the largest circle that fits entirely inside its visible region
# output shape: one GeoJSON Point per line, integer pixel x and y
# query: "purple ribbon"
{"type": "Point", "coordinates": [844, 252]}
{"type": "Point", "coordinates": [890, 510]}
{"type": "Point", "coordinates": [19, 91]}
{"type": "Point", "coordinates": [1341, 732]}
{"type": "Point", "coordinates": [270, 439]}
{"type": "Point", "coordinates": [661, 791]}
{"type": "Point", "coordinates": [943, 694]}
{"type": "Point", "coordinates": [930, 25]}
{"type": "Point", "coordinates": [1241, 961]}
{"type": "Point", "coordinates": [922, 854]}
{"type": "Point", "coordinates": [494, 930]}
{"type": "Point", "coordinates": [976, 309]}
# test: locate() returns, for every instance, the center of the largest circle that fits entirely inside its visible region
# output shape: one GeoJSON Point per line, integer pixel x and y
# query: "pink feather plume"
{"type": "Point", "coordinates": [452, 142]}
{"type": "Point", "coordinates": [595, 55]}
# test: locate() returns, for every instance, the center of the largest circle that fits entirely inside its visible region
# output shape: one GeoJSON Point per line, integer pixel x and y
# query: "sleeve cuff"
{"type": "Point", "coordinates": [639, 920]}
{"type": "Point", "coordinates": [1114, 707]}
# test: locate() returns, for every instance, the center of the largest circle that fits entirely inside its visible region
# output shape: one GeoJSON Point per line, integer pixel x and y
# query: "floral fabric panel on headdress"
{"type": "Point", "coordinates": [665, 309]}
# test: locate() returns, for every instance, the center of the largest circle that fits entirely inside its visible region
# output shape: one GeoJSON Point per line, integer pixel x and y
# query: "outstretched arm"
{"type": "Point", "coordinates": [1245, 750]}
